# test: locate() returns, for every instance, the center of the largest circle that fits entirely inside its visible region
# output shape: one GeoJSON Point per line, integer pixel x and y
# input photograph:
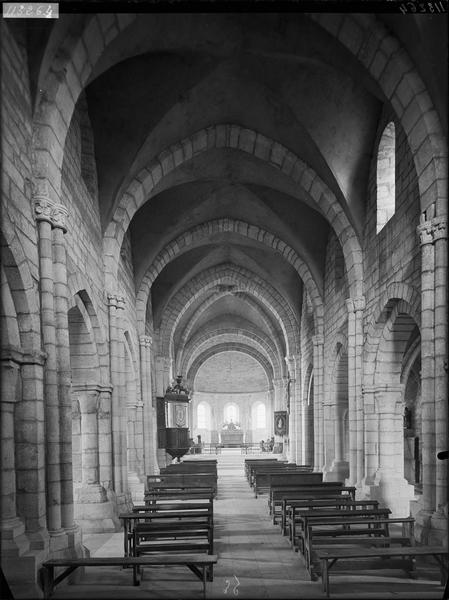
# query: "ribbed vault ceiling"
{"type": "Point", "coordinates": [283, 77]}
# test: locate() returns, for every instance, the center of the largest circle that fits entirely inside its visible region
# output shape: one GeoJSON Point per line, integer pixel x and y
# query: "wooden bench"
{"type": "Point", "coordinates": [251, 461]}
{"type": "Point", "coordinates": [408, 556]}
{"type": "Point", "coordinates": [197, 563]}
{"type": "Point", "coordinates": [323, 517]}
{"type": "Point", "coordinates": [200, 512]}
{"type": "Point", "coordinates": [182, 480]}
{"type": "Point", "coordinates": [327, 487]}
{"type": "Point", "coordinates": [186, 535]}
{"type": "Point", "coordinates": [168, 492]}
{"type": "Point", "coordinates": [355, 531]}
{"type": "Point", "coordinates": [318, 490]}
{"type": "Point", "coordinates": [264, 481]}
{"type": "Point", "coordinates": [260, 473]}
{"type": "Point", "coordinates": [337, 502]}
{"type": "Point", "coordinates": [311, 492]}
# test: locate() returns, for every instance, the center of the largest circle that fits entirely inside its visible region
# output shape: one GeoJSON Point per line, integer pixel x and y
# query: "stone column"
{"type": "Point", "coordinates": [318, 372]}
{"type": "Point", "coordinates": [389, 486]}
{"type": "Point", "coordinates": [150, 442]}
{"type": "Point", "coordinates": [106, 475]}
{"type": "Point", "coordinates": [355, 308]}
{"type": "Point", "coordinates": [122, 416]}
{"type": "Point", "coordinates": [115, 401]}
{"type": "Point", "coordinates": [61, 305]}
{"type": "Point", "coordinates": [293, 423]}
{"type": "Point", "coordinates": [299, 456]}
{"type": "Point", "coordinates": [434, 335]}
{"type": "Point", "coordinates": [425, 232]}
{"type": "Point", "coordinates": [43, 212]}
{"type": "Point", "coordinates": [93, 511]}
{"type": "Point", "coordinates": [23, 468]}
{"type": "Point", "coordinates": [439, 519]}
{"type": "Point", "coordinates": [371, 438]}
{"type": "Point", "coordinates": [13, 541]}
{"type": "Point", "coordinates": [138, 444]}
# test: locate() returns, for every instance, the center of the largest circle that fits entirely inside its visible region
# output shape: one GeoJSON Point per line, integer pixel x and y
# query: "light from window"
{"type": "Point", "coordinates": [203, 415]}
{"type": "Point", "coordinates": [231, 413]}
{"type": "Point", "coordinates": [259, 416]}
{"type": "Point", "coordinates": [386, 176]}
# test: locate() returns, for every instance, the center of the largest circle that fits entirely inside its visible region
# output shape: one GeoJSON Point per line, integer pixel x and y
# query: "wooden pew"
{"type": "Point", "coordinates": [200, 511]}
{"type": "Point", "coordinates": [249, 462]}
{"type": "Point", "coordinates": [164, 492]}
{"type": "Point", "coordinates": [301, 518]}
{"type": "Point", "coordinates": [328, 488]}
{"type": "Point", "coordinates": [261, 472]}
{"type": "Point", "coordinates": [264, 481]}
{"type": "Point", "coordinates": [338, 501]}
{"type": "Point", "coordinates": [398, 558]}
{"type": "Point", "coordinates": [182, 480]}
{"type": "Point", "coordinates": [176, 532]}
{"type": "Point", "coordinates": [199, 564]}
{"type": "Point", "coordinates": [355, 531]}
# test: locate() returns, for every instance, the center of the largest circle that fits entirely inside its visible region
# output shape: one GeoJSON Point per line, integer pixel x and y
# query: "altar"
{"type": "Point", "coordinates": [231, 435]}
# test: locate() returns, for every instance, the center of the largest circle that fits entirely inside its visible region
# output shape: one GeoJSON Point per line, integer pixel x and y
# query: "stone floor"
{"type": "Point", "coordinates": [255, 561]}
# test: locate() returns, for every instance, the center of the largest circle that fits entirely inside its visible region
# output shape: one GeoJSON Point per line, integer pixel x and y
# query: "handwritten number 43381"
{"type": "Point", "coordinates": [234, 590]}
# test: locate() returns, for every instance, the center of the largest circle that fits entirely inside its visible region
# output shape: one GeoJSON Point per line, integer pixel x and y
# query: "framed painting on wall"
{"type": "Point", "coordinates": [280, 422]}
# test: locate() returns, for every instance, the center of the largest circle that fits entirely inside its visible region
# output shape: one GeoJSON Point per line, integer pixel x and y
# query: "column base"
{"type": "Point", "coordinates": [438, 527]}
{"type": "Point", "coordinates": [23, 572]}
{"type": "Point", "coordinates": [13, 541]}
{"type": "Point", "coordinates": [339, 471]}
{"type": "Point", "coordinates": [394, 493]}
{"type": "Point", "coordinates": [94, 511]}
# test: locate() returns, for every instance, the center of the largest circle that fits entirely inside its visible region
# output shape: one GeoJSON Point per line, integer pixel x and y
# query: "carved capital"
{"type": "Point", "coordinates": [146, 341]}
{"type": "Point", "coordinates": [120, 302]}
{"type": "Point", "coordinates": [425, 233]}
{"type": "Point", "coordinates": [43, 208]}
{"type": "Point", "coordinates": [356, 304]}
{"type": "Point", "coordinates": [439, 225]}
{"type": "Point", "coordinates": [59, 217]}
{"type": "Point", "coordinates": [112, 300]}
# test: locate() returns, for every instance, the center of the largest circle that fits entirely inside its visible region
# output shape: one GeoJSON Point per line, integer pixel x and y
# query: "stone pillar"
{"type": "Point", "coordinates": [440, 517]}
{"type": "Point", "coordinates": [291, 452]}
{"type": "Point", "coordinates": [318, 373]}
{"type": "Point", "coordinates": [389, 486]}
{"type": "Point", "coordinates": [93, 511]}
{"type": "Point", "coordinates": [428, 502]}
{"type": "Point", "coordinates": [63, 363]}
{"type": "Point", "coordinates": [299, 456]}
{"type": "Point", "coordinates": [138, 442]}
{"type": "Point", "coordinates": [13, 541]}
{"type": "Point", "coordinates": [340, 468]}
{"type": "Point", "coordinates": [150, 441]}
{"type": "Point", "coordinates": [23, 469]}
{"type": "Point", "coordinates": [115, 401]}
{"type": "Point", "coordinates": [355, 308]}
{"type": "Point", "coordinates": [122, 416]}
{"type": "Point", "coordinates": [371, 438]}
{"type": "Point", "coordinates": [106, 476]}
{"type": "Point", "coordinates": [43, 213]}
{"type": "Point", "coordinates": [432, 519]}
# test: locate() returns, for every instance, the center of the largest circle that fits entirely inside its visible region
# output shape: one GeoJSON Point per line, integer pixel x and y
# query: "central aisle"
{"type": "Point", "coordinates": [254, 558]}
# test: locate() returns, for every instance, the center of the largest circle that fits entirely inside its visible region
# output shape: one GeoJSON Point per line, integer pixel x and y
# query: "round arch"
{"type": "Point", "coordinates": [201, 233]}
{"type": "Point", "coordinates": [220, 336]}
{"type": "Point", "coordinates": [245, 281]}
{"type": "Point", "coordinates": [209, 302]}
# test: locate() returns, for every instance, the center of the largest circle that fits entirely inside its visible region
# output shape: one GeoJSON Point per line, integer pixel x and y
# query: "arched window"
{"type": "Point", "coordinates": [259, 416]}
{"type": "Point", "coordinates": [203, 415]}
{"type": "Point", "coordinates": [386, 176]}
{"type": "Point", "coordinates": [231, 413]}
